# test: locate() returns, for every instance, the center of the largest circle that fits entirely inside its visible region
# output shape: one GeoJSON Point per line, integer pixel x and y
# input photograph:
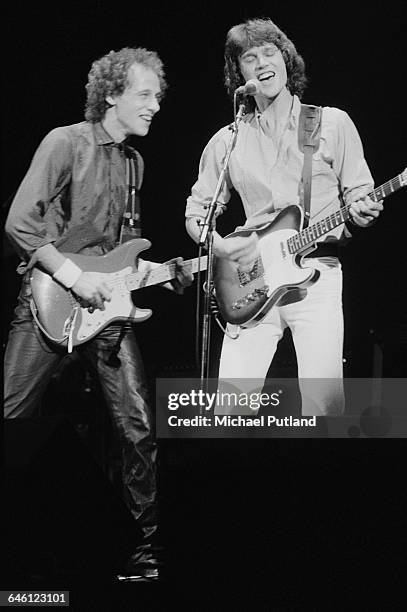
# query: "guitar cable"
{"type": "Point", "coordinates": [215, 312]}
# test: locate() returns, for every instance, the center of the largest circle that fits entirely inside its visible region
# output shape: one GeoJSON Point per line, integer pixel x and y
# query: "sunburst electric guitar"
{"type": "Point", "coordinates": [245, 298]}
{"type": "Point", "coordinates": [65, 320]}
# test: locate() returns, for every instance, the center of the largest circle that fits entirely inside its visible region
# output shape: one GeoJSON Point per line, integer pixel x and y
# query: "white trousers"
{"type": "Point", "coordinates": [316, 324]}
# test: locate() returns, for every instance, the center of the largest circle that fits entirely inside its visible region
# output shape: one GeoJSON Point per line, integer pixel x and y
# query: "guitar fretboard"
{"type": "Point", "coordinates": [163, 274]}
{"type": "Point", "coordinates": [309, 235]}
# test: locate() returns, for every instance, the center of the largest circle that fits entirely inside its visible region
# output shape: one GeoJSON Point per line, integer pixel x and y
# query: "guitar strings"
{"type": "Point", "coordinates": [155, 274]}
{"type": "Point", "coordinates": [306, 235]}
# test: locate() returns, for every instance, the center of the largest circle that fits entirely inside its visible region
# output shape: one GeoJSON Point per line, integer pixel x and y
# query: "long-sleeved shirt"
{"type": "Point", "coordinates": [267, 176]}
{"type": "Point", "coordinates": [73, 195]}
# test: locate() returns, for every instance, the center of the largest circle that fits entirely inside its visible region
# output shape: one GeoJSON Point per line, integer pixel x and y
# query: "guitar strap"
{"type": "Point", "coordinates": [131, 222]}
{"type": "Point", "coordinates": [309, 132]}
{"type": "Point", "coordinates": [130, 228]}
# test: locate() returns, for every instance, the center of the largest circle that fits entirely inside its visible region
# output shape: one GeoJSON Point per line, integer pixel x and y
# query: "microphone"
{"type": "Point", "coordinates": [250, 88]}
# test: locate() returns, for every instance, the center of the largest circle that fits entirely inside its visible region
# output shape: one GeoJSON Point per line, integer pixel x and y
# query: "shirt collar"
{"type": "Point", "coordinates": [292, 119]}
{"type": "Point", "coordinates": [103, 138]}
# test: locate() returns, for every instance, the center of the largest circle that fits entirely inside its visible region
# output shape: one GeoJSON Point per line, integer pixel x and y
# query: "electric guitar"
{"type": "Point", "coordinates": [245, 298]}
{"type": "Point", "coordinates": [64, 319]}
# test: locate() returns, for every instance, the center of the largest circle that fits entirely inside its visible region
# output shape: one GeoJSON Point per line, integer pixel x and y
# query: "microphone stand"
{"type": "Point", "coordinates": [207, 238]}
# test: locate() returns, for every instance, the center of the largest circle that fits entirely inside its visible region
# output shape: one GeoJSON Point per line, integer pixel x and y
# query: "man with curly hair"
{"type": "Point", "coordinates": [265, 169]}
{"type": "Point", "coordinates": [73, 199]}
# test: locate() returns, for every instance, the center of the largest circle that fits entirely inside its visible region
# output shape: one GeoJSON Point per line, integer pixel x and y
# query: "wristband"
{"type": "Point", "coordinates": [67, 274]}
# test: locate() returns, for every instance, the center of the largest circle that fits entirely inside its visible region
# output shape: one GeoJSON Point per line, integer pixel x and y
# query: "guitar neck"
{"type": "Point", "coordinates": [163, 273]}
{"type": "Point", "coordinates": [309, 235]}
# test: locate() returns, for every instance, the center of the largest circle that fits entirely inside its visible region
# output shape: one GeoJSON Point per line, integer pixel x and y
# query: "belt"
{"type": "Point", "coordinates": [325, 250]}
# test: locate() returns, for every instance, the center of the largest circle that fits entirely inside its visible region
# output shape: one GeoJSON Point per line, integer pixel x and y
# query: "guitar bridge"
{"type": "Point", "coordinates": [256, 272]}
{"type": "Point", "coordinates": [255, 295]}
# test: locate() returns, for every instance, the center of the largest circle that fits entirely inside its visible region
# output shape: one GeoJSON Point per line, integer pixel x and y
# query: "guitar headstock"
{"type": "Point", "coordinates": [403, 177]}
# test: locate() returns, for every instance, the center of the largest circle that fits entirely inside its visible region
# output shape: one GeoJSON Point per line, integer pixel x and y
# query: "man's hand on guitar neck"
{"type": "Point", "coordinates": [183, 276]}
{"type": "Point", "coordinates": [364, 210]}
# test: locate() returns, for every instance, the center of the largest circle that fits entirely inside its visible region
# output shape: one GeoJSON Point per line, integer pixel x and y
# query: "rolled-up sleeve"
{"type": "Point", "coordinates": [47, 176]}
{"type": "Point", "coordinates": [210, 167]}
{"type": "Point", "coordinates": [349, 162]}
{"type": "Point", "coordinates": [350, 166]}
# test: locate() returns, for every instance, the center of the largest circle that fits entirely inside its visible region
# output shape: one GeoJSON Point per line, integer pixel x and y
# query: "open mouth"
{"type": "Point", "coordinates": [266, 76]}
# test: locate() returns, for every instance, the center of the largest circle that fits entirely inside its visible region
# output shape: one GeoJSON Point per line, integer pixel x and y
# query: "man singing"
{"type": "Point", "coordinates": [265, 169]}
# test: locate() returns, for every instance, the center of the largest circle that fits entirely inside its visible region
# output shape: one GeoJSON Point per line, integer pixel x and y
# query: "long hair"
{"type": "Point", "coordinates": [109, 77]}
{"type": "Point", "coordinates": [255, 33]}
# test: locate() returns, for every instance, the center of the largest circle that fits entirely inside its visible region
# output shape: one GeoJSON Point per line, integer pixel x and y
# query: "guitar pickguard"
{"type": "Point", "coordinates": [120, 307]}
{"type": "Point", "coordinates": [66, 320]}
{"type": "Point", "coordinates": [247, 303]}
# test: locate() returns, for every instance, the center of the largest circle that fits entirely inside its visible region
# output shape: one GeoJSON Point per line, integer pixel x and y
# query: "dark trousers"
{"type": "Point", "coordinates": [30, 361]}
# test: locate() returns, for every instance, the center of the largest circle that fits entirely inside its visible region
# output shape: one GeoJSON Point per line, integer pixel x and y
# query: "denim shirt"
{"type": "Point", "coordinates": [267, 175]}
{"type": "Point", "coordinates": [73, 195]}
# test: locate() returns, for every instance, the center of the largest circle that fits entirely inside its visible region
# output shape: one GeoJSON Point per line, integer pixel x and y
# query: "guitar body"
{"type": "Point", "coordinates": [245, 299]}
{"type": "Point", "coordinates": [60, 314]}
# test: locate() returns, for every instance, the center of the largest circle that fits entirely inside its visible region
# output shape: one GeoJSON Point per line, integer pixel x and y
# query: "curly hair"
{"type": "Point", "coordinates": [109, 77]}
{"type": "Point", "coordinates": [255, 33]}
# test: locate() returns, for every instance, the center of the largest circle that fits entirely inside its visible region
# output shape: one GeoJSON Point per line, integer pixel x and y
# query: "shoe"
{"type": "Point", "coordinates": [144, 575]}
{"type": "Point", "coordinates": [142, 566]}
